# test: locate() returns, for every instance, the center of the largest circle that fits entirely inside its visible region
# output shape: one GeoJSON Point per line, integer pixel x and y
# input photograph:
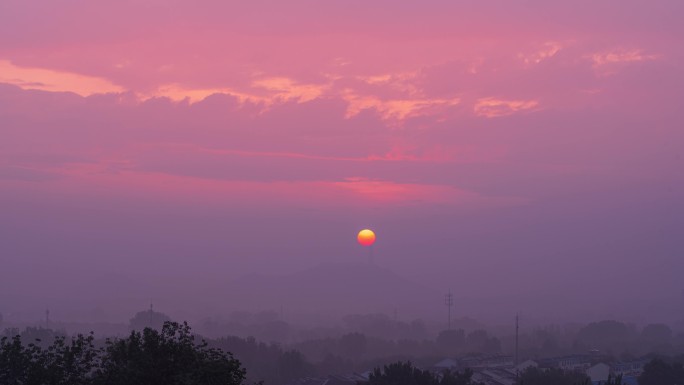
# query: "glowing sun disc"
{"type": "Point", "coordinates": [366, 237]}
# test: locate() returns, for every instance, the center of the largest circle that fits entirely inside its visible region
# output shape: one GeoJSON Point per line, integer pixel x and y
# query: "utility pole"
{"type": "Point", "coordinates": [449, 302]}
{"type": "Point", "coordinates": [517, 327]}
{"type": "Point", "coordinates": [47, 318]}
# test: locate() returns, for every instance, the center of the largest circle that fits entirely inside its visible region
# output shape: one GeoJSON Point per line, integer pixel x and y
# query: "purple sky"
{"type": "Point", "coordinates": [526, 153]}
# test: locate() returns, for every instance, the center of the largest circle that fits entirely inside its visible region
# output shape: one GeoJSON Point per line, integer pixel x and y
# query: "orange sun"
{"type": "Point", "coordinates": [366, 237]}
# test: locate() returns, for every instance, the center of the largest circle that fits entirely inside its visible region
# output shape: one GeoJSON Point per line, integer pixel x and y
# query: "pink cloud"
{"type": "Point", "coordinates": [114, 180]}
{"type": "Point", "coordinates": [610, 62]}
{"type": "Point", "coordinates": [180, 51]}
{"type": "Point", "coordinates": [547, 50]}
{"type": "Point", "coordinates": [621, 56]}
{"type": "Point", "coordinates": [396, 109]}
{"type": "Point", "coordinates": [53, 80]}
{"type": "Point", "coordinates": [379, 191]}
{"type": "Point", "coordinates": [259, 97]}
{"type": "Point", "coordinates": [178, 136]}
{"type": "Point", "coordinates": [492, 107]}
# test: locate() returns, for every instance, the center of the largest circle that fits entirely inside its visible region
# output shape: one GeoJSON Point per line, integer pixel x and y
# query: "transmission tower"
{"type": "Point", "coordinates": [517, 328]}
{"type": "Point", "coordinates": [449, 302]}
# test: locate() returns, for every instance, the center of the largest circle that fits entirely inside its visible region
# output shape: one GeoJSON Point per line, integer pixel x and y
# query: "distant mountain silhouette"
{"type": "Point", "coordinates": [335, 290]}
{"type": "Point", "coordinates": [324, 292]}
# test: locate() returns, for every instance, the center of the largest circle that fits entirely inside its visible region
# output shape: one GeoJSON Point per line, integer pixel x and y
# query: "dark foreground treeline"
{"type": "Point", "coordinates": [172, 355]}
{"type": "Point", "coordinates": [169, 357]}
{"type": "Point", "coordinates": [657, 372]}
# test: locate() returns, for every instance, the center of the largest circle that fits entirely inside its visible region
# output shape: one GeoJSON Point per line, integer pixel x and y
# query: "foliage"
{"type": "Point", "coordinates": [353, 345]}
{"type": "Point", "coordinates": [451, 341]}
{"type": "Point", "coordinates": [479, 341]}
{"type": "Point", "coordinates": [659, 372]}
{"type": "Point", "coordinates": [457, 378]}
{"type": "Point", "coordinates": [148, 319]}
{"type": "Point", "coordinates": [292, 365]}
{"type": "Point", "coordinates": [617, 380]}
{"type": "Point", "coordinates": [61, 363]}
{"type": "Point", "coordinates": [266, 362]}
{"type": "Point", "coordinates": [16, 361]}
{"type": "Point", "coordinates": [404, 373]}
{"type": "Point", "coordinates": [169, 357]}
{"type": "Point", "coordinates": [605, 333]}
{"type": "Point", "coordinates": [385, 327]}
{"type": "Point", "coordinates": [657, 338]}
{"type": "Point", "coordinates": [657, 332]}
{"type": "Point", "coordinates": [537, 376]}
{"type": "Point", "coordinates": [401, 373]}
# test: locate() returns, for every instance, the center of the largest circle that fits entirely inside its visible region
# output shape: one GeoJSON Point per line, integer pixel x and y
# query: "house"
{"type": "Point", "coordinates": [486, 361]}
{"type": "Point", "coordinates": [342, 379]}
{"type": "Point", "coordinates": [347, 379]}
{"type": "Point", "coordinates": [573, 362]}
{"type": "Point", "coordinates": [598, 373]}
{"type": "Point", "coordinates": [629, 369]}
{"type": "Point", "coordinates": [445, 364]}
{"type": "Point", "coordinates": [526, 364]}
{"type": "Point", "coordinates": [495, 376]}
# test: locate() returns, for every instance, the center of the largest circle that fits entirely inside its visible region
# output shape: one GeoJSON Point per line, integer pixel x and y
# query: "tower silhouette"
{"type": "Point", "coordinates": [449, 302]}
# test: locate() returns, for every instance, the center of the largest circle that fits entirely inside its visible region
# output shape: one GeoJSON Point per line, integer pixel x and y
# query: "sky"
{"type": "Point", "coordinates": [524, 154]}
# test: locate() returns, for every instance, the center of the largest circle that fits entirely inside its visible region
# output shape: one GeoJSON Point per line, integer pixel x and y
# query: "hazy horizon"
{"type": "Point", "coordinates": [525, 155]}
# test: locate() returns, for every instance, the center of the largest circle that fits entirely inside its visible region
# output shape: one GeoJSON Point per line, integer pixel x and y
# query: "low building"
{"type": "Point", "coordinates": [573, 362]}
{"type": "Point", "coordinates": [486, 361]}
{"type": "Point", "coordinates": [629, 369]}
{"type": "Point", "coordinates": [445, 364]}
{"type": "Point", "coordinates": [495, 376]}
{"type": "Point", "coordinates": [340, 379]}
{"type": "Point", "coordinates": [525, 365]}
{"type": "Point", "coordinates": [598, 373]}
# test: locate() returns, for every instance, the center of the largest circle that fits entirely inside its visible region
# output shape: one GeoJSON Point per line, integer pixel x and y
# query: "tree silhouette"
{"type": "Point", "coordinates": [61, 363]}
{"type": "Point", "coordinates": [617, 380]}
{"type": "Point", "coordinates": [606, 334]}
{"type": "Point", "coordinates": [657, 333]}
{"type": "Point", "coordinates": [353, 345]}
{"type": "Point", "coordinates": [148, 319]}
{"type": "Point", "coordinates": [401, 373]}
{"type": "Point", "coordinates": [536, 376]}
{"type": "Point", "coordinates": [16, 361]}
{"type": "Point", "coordinates": [451, 341]}
{"type": "Point", "coordinates": [457, 378]}
{"type": "Point", "coordinates": [404, 373]}
{"type": "Point", "coordinates": [292, 365]}
{"type": "Point", "coordinates": [659, 372]}
{"type": "Point", "coordinates": [479, 341]}
{"type": "Point", "coordinates": [169, 357]}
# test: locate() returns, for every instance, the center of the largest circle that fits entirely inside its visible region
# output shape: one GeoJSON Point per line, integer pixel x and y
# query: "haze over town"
{"type": "Point", "coordinates": [217, 161]}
